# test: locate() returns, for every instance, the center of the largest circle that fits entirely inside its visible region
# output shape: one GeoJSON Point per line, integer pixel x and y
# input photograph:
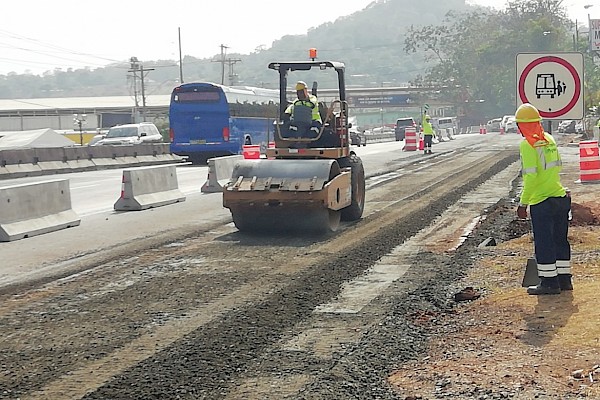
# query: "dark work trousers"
{"type": "Point", "coordinates": [550, 220]}
{"type": "Point", "coordinates": [427, 139]}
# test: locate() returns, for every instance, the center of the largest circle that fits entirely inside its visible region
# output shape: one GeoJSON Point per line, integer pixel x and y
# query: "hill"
{"type": "Point", "coordinates": [370, 42]}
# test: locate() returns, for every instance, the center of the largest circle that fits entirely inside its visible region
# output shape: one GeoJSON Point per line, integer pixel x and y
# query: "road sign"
{"type": "Point", "coordinates": [553, 83]}
{"type": "Point", "coordinates": [425, 106]}
{"type": "Point", "coordinates": [594, 34]}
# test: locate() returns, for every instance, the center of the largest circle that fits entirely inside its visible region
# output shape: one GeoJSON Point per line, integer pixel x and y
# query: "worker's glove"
{"type": "Point", "coordinates": [522, 212]}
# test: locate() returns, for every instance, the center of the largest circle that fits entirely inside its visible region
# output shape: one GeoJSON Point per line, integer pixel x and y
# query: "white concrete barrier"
{"type": "Point", "coordinates": [36, 208]}
{"type": "Point", "coordinates": [147, 187]}
{"type": "Point", "coordinates": [219, 173]}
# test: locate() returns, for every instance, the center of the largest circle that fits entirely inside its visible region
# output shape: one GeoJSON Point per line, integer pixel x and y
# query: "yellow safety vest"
{"type": "Point", "coordinates": [540, 168]}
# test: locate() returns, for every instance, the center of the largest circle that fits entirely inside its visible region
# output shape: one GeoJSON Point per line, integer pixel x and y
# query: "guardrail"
{"type": "Point", "coordinates": [20, 163]}
{"type": "Point", "coordinates": [380, 137]}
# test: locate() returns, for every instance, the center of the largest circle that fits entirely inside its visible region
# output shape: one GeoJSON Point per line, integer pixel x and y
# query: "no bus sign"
{"type": "Point", "coordinates": [553, 83]}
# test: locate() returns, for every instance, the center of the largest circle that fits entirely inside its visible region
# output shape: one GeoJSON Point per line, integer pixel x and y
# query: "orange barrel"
{"type": "Point", "coordinates": [589, 161]}
{"type": "Point", "coordinates": [251, 151]}
{"type": "Point", "coordinates": [410, 139]}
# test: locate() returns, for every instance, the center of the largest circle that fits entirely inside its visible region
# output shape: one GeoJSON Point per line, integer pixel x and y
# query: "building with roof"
{"type": "Point", "coordinates": [98, 112]}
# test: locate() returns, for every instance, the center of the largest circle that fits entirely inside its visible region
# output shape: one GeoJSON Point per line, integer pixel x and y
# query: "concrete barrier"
{"type": "Point", "coordinates": [103, 156]}
{"type": "Point", "coordinates": [147, 187]}
{"type": "Point", "coordinates": [219, 173]}
{"type": "Point", "coordinates": [126, 155]}
{"type": "Point", "coordinates": [51, 159]}
{"type": "Point", "coordinates": [33, 209]}
{"type": "Point", "coordinates": [20, 163]}
{"type": "Point", "coordinates": [79, 159]}
{"type": "Point", "coordinates": [451, 132]}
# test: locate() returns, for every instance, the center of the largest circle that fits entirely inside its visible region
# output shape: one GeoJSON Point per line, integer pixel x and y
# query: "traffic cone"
{"type": "Point", "coordinates": [502, 130]}
{"type": "Point", "coordinates": [481, 129]}
{"type": "Point", "coordinates": [421, 143]}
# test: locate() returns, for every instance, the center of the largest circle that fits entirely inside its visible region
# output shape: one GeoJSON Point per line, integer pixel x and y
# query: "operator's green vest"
{"type": "Point", "coordinates": [540, 168]}
{"type": "Point", "coordinates": [427, 127]}
{"type": "Point", "coordinates": [305, 110]}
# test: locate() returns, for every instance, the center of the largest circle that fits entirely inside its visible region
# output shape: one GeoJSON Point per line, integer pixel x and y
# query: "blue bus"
{"type": "Point", "coordinates": [210, 120]}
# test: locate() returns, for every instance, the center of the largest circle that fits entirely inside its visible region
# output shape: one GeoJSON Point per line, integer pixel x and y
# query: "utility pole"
{"type": "Point", "coordinates": [230, 62]}
{"type": "Point", "coordinates": [142, 70]}
{"type": "Point", "coordinates": [135, 67]}
{"type": "Point", "coordinates": [222, 61]}
{"type": "Point", "coordinates": [180, 58]}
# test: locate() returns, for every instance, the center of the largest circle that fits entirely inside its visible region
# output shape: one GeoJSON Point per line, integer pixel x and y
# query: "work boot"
{"type": "Point", "coordinates": [546, 286]}
{"type": "Point", "coordinates": [564, 281]}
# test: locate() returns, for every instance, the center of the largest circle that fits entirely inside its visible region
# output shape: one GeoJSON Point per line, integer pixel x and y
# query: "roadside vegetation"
{"type": "Point", "coordinates": [466, 52]}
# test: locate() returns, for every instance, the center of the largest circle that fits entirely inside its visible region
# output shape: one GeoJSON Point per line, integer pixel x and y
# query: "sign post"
{"type": "Point", "coordinates": [553, 83]}
{"type": "Point", "coordinates": [594, 35]}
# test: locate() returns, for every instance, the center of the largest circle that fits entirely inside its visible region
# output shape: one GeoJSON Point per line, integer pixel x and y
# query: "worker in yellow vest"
{"type": "Point", "coordinates": [427, 134]}
{"type": "Point", "coordinates": [548, 202]}
{"type": "Point", "coordinates": [304, 112]}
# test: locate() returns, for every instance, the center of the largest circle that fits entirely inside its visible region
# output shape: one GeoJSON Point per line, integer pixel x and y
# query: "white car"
{"type": "Point", "coordinates": [144, 132]}
{"type": "Point", "coordinates": [493, 125]}
{"type": "Point", "coordinates": [503, 121]}
{"type": "Point", "coordinates": [511, 126]}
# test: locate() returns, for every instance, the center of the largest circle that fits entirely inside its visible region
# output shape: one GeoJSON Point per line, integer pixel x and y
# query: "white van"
{"type": "Point", "coordinates": [144, 132]}
{"type": "Point", "coordinates": [445, 123]}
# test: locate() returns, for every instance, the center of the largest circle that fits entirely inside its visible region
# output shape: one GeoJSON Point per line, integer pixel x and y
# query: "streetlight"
{"type": "Point", "coordinates": [80, 120]}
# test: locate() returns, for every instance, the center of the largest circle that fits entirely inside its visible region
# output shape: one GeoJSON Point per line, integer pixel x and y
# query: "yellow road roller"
{"type": "Point", "coordinates": [310, 179]}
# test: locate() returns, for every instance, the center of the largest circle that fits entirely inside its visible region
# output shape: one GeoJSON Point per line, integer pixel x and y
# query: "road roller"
{"type": "Point", "coordinates": [310, 179]}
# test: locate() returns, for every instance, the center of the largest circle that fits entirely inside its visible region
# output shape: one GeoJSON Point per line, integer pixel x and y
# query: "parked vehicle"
{"type": "Point", "coordinates": [444, 123]}
{"type": "Point", "coordinates": [567, 126]}
{"type": "Point", "coordinates": [401, 125]}
{"type": "Point", "coordinates": [511, 125]}
{"type": "Point", "coordinates": [357, 138]}
{"type": "Point", "coordinates": [493, 125]}
{"type": "Point", "coordinates": [97, 138]}
{"type": "Point", "coordinates": [504, 120]}
{"type": "Point", "coordinates": [144, 132]}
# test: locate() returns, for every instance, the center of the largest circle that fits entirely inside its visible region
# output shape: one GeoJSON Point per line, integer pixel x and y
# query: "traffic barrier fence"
{"type": "Point", "coordinates": [33, 209]}
{"type": "Point", "coordinates": [219, 173]}
{"type": "Point", "coordinates": [18, 163]}
{"type": "Point", "coordinates": [148, 187]}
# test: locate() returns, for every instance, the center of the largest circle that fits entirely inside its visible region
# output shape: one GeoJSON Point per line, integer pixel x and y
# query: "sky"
{"type": "Point", "coordinates": [40, 35]}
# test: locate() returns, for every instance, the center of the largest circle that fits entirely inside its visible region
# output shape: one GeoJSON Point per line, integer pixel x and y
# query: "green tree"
{"type": "Point", "coordinates": [476, 51]}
